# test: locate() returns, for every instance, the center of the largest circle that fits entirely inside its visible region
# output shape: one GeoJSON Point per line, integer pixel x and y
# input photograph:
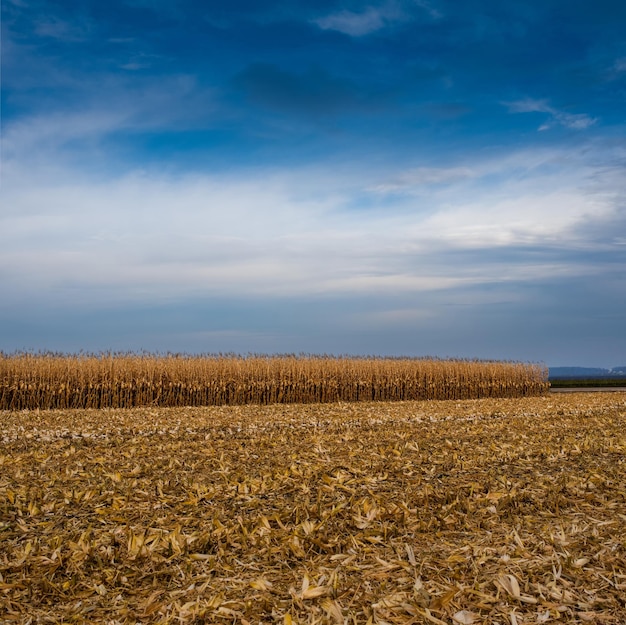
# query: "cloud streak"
{"type": "Point", "coordinates": [417, 179]}
{"type": "Point", "coordinates": [359, 24]}
{"type": "Point", "coordinates": [575, 121]}
{"type": "Point", "coordinates": [374, 18]}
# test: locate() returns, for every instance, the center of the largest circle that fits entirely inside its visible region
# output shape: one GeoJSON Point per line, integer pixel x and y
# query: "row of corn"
{"type": "Point", "coordinates": [46, 381]}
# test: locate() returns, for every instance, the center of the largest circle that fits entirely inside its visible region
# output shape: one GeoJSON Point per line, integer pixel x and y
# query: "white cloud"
{"type": "Point", "coordinates": [353, 24]}
{"type": "Point", "coordinates": [532, 218]}
{"type": "Point", "coordinates": [415, 179]}
{"type": "Point", "coordinates": [116, 107]}
{"type": "Point", "coordinates": [365, 22]}
{"type": "Point", "coordinates": [529, 105]}
{"type": "Point", "coordinates": [153, 237]}
{"type": "Point", "coordinates": [578, 121]}
{"type": "Point", "coordinates": [265, 232]}
{"type": "Point", "coordinates": [53, 130]}
{"type": "Point", "coordinates": [373, 18]}
{"type": "Point", "coordinates": [427, 6]}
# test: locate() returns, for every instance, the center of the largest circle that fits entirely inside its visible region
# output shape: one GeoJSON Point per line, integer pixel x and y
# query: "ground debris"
{"type": "Point", "coordinates": [474, 511]}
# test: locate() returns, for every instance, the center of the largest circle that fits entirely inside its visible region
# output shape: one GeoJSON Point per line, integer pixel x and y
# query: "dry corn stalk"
{"type": "Point", "coordinates": [45, 381]}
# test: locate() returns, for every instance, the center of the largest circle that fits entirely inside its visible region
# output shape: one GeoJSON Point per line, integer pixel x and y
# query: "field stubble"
{"type": "Point", "coordinates": [475, 511]}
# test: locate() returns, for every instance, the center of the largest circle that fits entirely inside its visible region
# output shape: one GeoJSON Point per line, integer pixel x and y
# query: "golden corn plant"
{"type": "Point", "coordinates": [45, 381]}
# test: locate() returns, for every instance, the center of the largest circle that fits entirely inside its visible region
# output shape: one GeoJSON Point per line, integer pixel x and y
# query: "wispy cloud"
{"type": "Point", "coordinates": [140, 61]}
{"type": "Point", "coordinates": [113, 107]}
{"type": "Point", "coordinates": [620, 65]}
{"type": "Point", "coordinates": [64, 30]}
{"type": "Point", "coordinates": [427, 6]}
{"type": "Point", "coordinates": [355, 24]}
{"type": "Point", "coordinates": [372, 19]}
{"type": "Point", "coordinates": [416, 179]}
{"type": "Point", "coordinates": [616, 70]}
{"type": "Point", "coordinates": [576, 121]}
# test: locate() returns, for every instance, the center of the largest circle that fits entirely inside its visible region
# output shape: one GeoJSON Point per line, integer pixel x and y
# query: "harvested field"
{"type": "Point", "coordinates": [506, 511]}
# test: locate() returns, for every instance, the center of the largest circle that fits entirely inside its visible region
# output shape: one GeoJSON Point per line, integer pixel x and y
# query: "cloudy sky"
{"type": "Point", "coordinates": [400, 177]}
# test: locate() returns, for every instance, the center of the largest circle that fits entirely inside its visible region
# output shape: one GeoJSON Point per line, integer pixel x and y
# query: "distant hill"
{"type": "Point", "coordinates": [586, 372]}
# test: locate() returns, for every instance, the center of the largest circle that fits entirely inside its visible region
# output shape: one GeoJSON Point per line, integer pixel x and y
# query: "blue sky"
{"type": "Point", "coordinates": [415, 177]}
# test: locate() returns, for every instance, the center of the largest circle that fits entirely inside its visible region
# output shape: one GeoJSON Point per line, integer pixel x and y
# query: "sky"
{"type": "Point", "coordinates": [395, 177]}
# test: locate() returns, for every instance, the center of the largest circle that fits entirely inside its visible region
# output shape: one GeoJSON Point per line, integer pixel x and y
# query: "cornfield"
{"type": "Point", "coordinates": [51, 381]}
